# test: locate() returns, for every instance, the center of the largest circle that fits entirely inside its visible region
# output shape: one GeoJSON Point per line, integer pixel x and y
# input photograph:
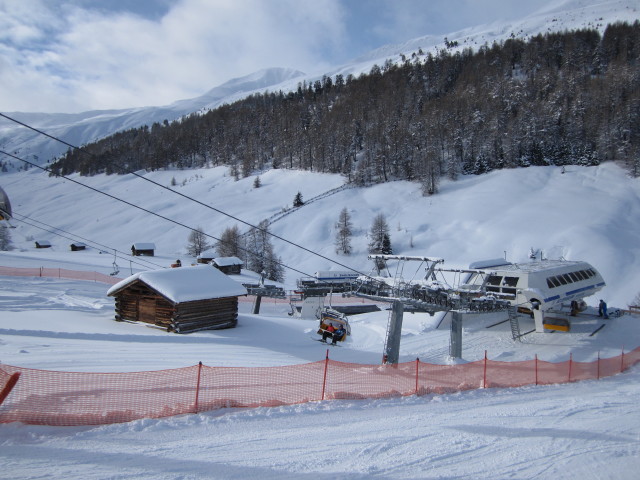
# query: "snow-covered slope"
{"type": "Point", "coordinates": [587, 213]}
{"type": "Point", "coordinates": [78, 129]}
{"type": "Point", "coordinates": [580, 430]}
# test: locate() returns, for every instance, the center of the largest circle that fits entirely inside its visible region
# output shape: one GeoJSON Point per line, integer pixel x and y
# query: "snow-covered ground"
{"type": "Point", "coordinates": [581, 430]}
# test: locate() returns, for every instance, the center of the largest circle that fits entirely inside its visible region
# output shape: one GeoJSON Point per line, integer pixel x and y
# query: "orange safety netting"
{"type": "Point", "coordinates": [59, 273]}
{"type": "Point", "coordinates": [71, 398]}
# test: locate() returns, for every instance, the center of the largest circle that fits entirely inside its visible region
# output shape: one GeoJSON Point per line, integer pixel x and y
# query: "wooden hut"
{"type": "Point", "coordinates": [43, 244]}
{"type": "Point", "coordinates": [179, 299]}
{"type": "Point", "coordinates": [228, 265]}
{"type": "Point", "coordinates": [143, 248]}
{"type": "Point", "coordinates": [77, 246]}
{"type": "Point", "coordinates": [207, 256]}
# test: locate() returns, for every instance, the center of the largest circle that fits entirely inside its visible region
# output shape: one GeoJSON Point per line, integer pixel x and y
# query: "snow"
{"type": "Point", "coordinates": [186, 284]}
{"type": "Point", "coordinates": [581, 430]}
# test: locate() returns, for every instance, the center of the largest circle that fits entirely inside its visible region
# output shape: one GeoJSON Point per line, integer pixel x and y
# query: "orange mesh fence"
{"type": "Point", "coordinates": [71, 398]}
{"type": "Point", "coordinates": [59, 273]}
{"type": "Point", "coordinates": [44, 397]}
{"type": "Point", "coordinates": [260, 386]}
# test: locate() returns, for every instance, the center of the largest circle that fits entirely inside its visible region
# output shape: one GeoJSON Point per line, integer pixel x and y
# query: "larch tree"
{"type": "Point", "coordinates": [344, 232]}
{"type": "Point", "coordinates": [197, 242]}
{"type": "Point", "coordinates": [230, 243]}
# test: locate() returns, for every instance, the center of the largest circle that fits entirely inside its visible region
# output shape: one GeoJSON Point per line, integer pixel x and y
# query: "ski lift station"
{"type": "Point", "coordinates": [537, 289]}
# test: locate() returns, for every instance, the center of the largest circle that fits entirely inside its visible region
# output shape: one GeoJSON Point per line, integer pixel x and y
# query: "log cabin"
{"type": "Point", "coordinates": [143, 248]}
{"type": "Point", "coordinates": [179, 300]}
{"type": "Point", "coordinates": [228, 265]}
{"type": "Point", "coordinates": [207, 256]}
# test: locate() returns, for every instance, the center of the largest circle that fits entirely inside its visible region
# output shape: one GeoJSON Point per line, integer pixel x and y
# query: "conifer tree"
{"type": "Point", "coordinates": [344, 231]}
{"type": "Point", "coordinates": [380, 241]}
{"type": "Point", "coordinates": [260, 254]}
{"type": "Point", "coordinates": [5, 238]}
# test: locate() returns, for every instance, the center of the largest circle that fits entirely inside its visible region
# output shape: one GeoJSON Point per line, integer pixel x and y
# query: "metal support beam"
{"type": "Point", "coordinates": [256, 306]}
{"type": "Point", "coordinates": [392, 348]}
{"type": "Point", "coordinates": [455, 344]}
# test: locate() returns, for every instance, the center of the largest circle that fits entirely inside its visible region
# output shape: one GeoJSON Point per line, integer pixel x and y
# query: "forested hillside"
{"type": "Point", "coordinates": [555, 99]}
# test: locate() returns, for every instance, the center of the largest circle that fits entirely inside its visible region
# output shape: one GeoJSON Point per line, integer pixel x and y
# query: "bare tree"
{"type": "Point", "coordinates": [197, 242]}
{"type": "Point", "coordinates": [344, 232]}
{"type": "Point", "coordinates": [230, 243]}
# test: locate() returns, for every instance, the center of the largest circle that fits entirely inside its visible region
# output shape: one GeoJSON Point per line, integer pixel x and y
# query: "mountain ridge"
{"type": "Point", "coordinates": [85, 127]}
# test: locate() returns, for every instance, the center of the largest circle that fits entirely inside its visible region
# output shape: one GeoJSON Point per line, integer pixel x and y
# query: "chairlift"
{"type": "Point", "coordinates": [116, 269]}
{"type": "Point", "coordinates": [335, 318]}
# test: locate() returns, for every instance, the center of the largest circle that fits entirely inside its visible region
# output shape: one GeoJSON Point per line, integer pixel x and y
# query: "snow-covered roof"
{"type": "Point", "coordinates": [209, 253]}
{"type": "Point", "coordinates": [186, 284]}
{"type": "Point", "coordinates": [227, 261]}
{"type": "Point", "coordinates": [144, 246]}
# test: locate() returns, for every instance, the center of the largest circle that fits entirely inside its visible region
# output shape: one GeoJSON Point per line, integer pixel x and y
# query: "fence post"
{"type": "Point", "coordinates": [417, 372]}
{"type": "Point", "coordinates": [484, 374]}
{"type": "Point", "coordinates": [13, 379]}
{"type": "Point", "coordinates": [536, 367]}
{"type": "Point", "coordinates": [598, 370]}
{"type": "Point", "coordinates": [324, 380]}
{"type": "Point", "coordinates": [570, 362]}
{"type": "Point", "coordinates": [622, 360]}
{"type": "Point", "coordinates": [195, 406]}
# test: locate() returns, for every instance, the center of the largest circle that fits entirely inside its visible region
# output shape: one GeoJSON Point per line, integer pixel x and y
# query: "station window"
{"type": "Point", "coordinates": [567, 278]}
{"type": "Point", "coordinates": [574, 277]}
{"type": "Point", "coordinates": [552, 282]}
{"type": "Point", "coordinates": [493, 283]}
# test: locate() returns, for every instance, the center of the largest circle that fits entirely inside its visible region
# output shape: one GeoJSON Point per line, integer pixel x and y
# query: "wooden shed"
{"type": "Point", "coordinates": [207, 256]}
{"type": "Point", "coordinates": [43, 244]}
{"type": "Point", "coordinates": [228, 265]}
{"type": "Point", "coordinates": [179, 299]}
{"type": "Point", "coordinates": [77, 246]}
{"type": "Point", "coordinates": [143, 248]}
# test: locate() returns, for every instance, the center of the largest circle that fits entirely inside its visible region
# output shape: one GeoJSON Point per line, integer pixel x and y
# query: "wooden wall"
{"type": "Point", "coordinates": [140, 303]}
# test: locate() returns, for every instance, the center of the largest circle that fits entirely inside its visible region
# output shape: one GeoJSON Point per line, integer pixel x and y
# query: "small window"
{"type": "Point", "coordinates": [574, 277]}
{"type": "Point", "coordinates": [494, 280]}
{"type": "Point", "coordinates": [582, 274]}
{"type": "Point", "coordinates": [550, 283]}
{"type": "Point", "coordinates": [562, 280]}
{"type": "Point", "coordinates": [567, 278]}
{"type": "Point", "coordinates": [591, 273]}
{"type": "Point", "coordinates": [510, 281]}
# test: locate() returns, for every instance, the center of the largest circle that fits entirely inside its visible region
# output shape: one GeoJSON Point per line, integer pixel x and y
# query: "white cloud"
{"type": "Point", "coordinates": [93, 59]}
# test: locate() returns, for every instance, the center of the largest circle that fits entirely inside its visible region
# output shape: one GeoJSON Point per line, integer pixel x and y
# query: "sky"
{"type": "Point", "coordinates": [77, 55]}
